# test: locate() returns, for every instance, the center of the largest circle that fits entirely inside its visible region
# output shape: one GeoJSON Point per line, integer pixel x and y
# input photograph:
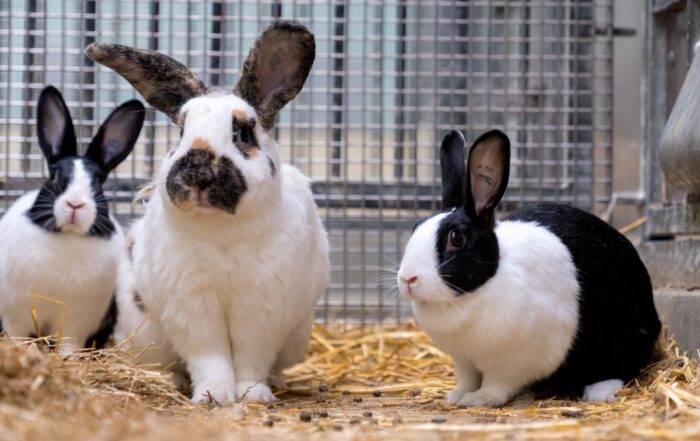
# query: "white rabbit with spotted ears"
{"type": "Point", "coordinates": [230, 256]}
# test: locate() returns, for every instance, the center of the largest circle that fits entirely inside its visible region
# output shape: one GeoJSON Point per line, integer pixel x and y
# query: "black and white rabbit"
{"type": "Point", "coordinates": [551, 297]}
{"type": "Point", "coordinates": [59, 242]}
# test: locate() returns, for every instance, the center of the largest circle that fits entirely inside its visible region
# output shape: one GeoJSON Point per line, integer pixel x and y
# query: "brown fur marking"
{"type": "Point", "coordinates": [239, 115]}
{"type": "Point", "coordinates": [200, 143]}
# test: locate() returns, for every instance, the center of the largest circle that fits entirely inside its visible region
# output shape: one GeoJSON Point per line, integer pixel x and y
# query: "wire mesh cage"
{"type": "Point", "coordinates": [390, 78]}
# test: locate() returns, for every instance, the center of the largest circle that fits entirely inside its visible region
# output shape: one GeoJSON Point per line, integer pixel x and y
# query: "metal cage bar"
{"type": "Point", "coordinates": [390, 78]}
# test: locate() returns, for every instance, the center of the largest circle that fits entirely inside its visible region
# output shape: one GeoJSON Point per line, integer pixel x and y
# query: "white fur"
{"type": "Point", "coordinates": [77, 193]}
{"type": "Point", "coordinates": [234, 294]}
{"type": "Point", "coordinates": [136, 331]}
{"type": "Point", "coordinates": [602, 390]}
{"type": "Point", "coordinates": [512, 331]}
{"type": "Point", "coordinates": [68, 267]}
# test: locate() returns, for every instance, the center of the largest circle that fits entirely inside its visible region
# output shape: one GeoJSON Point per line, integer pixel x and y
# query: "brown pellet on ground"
{"type": "Point", "coordinates": [305, 417]}
{"type": "Point", "coordinates": [572, 413]}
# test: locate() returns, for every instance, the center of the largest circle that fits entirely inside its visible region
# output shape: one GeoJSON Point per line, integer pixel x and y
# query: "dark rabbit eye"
{"type": "Point", "coordinates": [455, 240]}
{"type": "Point", "coordinates": [244, 134]}
{"type": "Point", "coordinates": [235, 130]}
{"type": "Point", "coordinates": [244, 137]}
{"type": "Point", "coordinates": [241, 133]}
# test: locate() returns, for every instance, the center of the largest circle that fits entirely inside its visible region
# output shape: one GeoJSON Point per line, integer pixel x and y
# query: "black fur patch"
{"type": "Point", "coordinates": [60, 177]}
{"type": "Point", "coordinates": [618, 323]}
{"type": "Point", "coordinates": [243, 133]}
{"type": "Point", "coordinates": [470, 266]}
{"type": "Point", "coordinates": [163, 81]}
{"type": "Point", "coordinates": [138, 301]}
{"type": "Point", "coordinates": [276, 68]}
{"type": "Point", "coordinates": [218, 179]}
{"type": "Point", "coordinates": [273, 169]}
{"type": "Point", "coordinates": [104, 332]}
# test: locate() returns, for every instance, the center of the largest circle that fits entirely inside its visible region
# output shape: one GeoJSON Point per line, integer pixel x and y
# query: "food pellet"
{"type": "Point", "coordinates": [305, 417]}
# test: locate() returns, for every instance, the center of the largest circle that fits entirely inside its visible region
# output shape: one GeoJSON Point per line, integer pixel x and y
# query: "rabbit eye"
{"type": "Point", "coordinates": [244, 134]}
{"type": "Point", "coordinates": [244, 137]}
{"type": "Point", "coordinates": [455, 240]}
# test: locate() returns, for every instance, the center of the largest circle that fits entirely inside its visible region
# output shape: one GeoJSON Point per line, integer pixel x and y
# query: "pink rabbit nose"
{"type": "Point", "coordinates": [75, 205]}
{"type": "Point", "coordinates": [409, 280]}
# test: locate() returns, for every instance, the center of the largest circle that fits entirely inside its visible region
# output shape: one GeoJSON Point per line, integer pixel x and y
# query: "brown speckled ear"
{"type": "Point", "coordinates": [163, 81]}
{"type": "Point", "coordinates": [276, 68]}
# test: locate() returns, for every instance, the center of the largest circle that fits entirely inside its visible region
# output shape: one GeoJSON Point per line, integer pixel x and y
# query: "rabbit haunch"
{"type": "Point", "coordinates": [230, 255]}
{"type": "Point", "coordinates": [550, 298]}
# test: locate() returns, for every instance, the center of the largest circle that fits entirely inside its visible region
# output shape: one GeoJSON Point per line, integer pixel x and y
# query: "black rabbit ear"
{"type": "Point", "coordinates": [55, 126]}
{"type": "Point", "coordinates": [276, 68]}
{"type": "Point", "coordinates": [117, 136]}
{"type": "Point", "coordinates": [453, 170]}
{"type": "Point", "coordinates": [489, 169]}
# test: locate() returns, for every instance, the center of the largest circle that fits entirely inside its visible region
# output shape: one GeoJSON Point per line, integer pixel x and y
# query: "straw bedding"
{"type": "Point", "coordinates": [373, 383]}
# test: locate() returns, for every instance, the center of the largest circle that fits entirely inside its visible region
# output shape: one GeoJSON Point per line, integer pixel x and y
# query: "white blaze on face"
{"type": "Point", "coordinates": [207, 122]}
{"type": "Point", "coordinates": [75, 209]}
{"type": "Point", "coordinates": [420, 264]}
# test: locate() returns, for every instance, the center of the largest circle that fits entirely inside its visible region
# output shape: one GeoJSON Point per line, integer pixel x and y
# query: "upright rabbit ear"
{"type": "Point", "coordinates": [164, 83]}
{"type": "Point", "coordinates": [117, 136]}
{"type": "Point", "coordinates": [489, 168]}
{"type": "Point", "coordinates": [276, 68]}
{"type": "Point", "coordinates": [453, 170]}
{"type": "Point", "coordinates": [55, 126]}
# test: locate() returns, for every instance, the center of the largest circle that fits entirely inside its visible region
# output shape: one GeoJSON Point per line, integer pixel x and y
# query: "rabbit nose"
{"type": "Point", "coordinates": [409, 280]}
{"type": "Point", "coordinates": [75, 205]}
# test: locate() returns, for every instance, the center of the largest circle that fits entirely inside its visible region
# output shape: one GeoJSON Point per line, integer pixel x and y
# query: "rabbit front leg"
{"type": "Point", "coordinates": [253, 360]}
{"type": "Point", "coordinates": [468, 380]}
{"type": "Point", "coordinates": [496, 390]}
{"type": "Point", "coordinates": [206, 349]}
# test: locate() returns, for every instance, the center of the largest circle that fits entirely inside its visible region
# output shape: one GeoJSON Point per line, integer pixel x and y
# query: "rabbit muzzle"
{"type": "Point", "coordinates": [200, 179]}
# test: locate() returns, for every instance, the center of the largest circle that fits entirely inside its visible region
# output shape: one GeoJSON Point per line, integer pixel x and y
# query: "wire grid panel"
{"type": "Point", "coordinates": [390, 78]}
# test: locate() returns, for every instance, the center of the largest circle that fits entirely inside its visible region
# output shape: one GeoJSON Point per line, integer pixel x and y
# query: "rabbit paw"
{"type": "Point", "coordinates": [478, 398]}
{"type": "Point", "coordinates": [602, 390]}
{"type": "Point", "coordinates": [255, 391]}
{"type": "Point", "coordinates": [218, 392]}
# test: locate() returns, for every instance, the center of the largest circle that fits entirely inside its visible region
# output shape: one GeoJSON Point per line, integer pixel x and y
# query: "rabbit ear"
{"type": "Point", "coordinates": [276, 68]}
{"type": "Point", "coordinates": [453, 170]}
{"type": "Point", "coordinates": [55, 126]}
{"type": "Point", "coordinates": [489, 168]}
{"type": "Point", "coordinates": [164, 83]}
{"type": "Point", "coordinates": [117, 136]}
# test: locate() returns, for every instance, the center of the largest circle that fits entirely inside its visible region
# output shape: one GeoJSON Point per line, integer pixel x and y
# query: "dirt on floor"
{"type": "Point", "coordinates": [357, 383]}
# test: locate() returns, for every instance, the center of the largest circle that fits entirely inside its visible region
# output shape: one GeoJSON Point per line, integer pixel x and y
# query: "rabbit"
{"type": "Point", "coordinates": [231, 255]}
{"type": "Point", "coordinates": [59, 246]}
{"type": "Point", "coordinates": [551, 299]}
